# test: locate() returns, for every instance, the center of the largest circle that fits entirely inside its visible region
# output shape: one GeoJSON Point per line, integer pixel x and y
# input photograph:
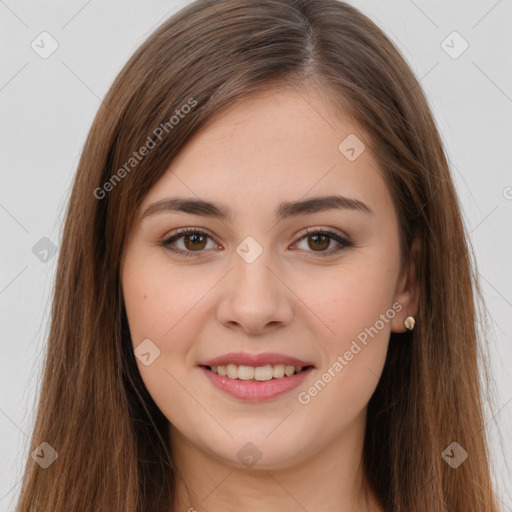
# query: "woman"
{"type": "Point", "coordinates": [264, 292]}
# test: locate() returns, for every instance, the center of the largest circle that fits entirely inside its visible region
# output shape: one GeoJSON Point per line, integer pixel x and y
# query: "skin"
{"type": "Point", "coordinates": [273, 147]}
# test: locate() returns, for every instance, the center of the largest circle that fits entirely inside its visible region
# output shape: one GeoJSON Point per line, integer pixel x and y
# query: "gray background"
{"type": "Point", "coordinates": [47, 106]}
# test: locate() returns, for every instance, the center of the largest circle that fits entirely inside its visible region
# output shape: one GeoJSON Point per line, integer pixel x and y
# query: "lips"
{"type": "Point", "coordinates": [246, 359]}
{"type": "Point", "coordinates": [254, 391]}
{"type": "Point", "coordinates": [274, 374]}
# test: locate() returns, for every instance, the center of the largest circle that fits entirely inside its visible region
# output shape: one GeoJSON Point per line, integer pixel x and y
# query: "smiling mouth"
{"type": "Point", "coordinates": [257, 373]}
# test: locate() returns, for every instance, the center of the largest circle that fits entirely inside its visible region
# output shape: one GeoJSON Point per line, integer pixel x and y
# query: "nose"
{"type": "Point", "coordinates": [255, 297]}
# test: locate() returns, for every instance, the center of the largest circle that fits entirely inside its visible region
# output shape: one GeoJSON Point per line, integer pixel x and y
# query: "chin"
{"type": "Point", "coordinates": [260, 453]}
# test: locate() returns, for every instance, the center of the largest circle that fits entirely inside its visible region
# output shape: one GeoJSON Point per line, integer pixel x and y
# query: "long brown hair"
{"type": "Point", "coordinates": [94, 411]}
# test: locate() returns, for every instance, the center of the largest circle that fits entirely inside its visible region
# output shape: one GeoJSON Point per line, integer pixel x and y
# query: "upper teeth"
{"type": "Point", "coordinates": [261, 373]}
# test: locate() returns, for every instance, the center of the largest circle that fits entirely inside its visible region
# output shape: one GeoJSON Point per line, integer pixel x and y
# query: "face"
{"type": "Point", "coordinates": [317, 284]}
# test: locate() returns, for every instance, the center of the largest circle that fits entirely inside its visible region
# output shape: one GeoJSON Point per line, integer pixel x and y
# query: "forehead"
{"type": "Point", "coordinates": [274, 147]}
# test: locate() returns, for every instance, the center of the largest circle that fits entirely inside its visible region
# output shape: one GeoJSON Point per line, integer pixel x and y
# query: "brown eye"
{"type": "Point", "coordinates": [194, 242]}
{"type": "Point", "coordinates": [191, 241]}
{"type": "Point", "coordinates": [319, 242]}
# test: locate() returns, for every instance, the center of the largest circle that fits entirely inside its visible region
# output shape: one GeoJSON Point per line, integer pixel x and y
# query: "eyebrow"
{"type": "Point", "coordinates": [285, 210]}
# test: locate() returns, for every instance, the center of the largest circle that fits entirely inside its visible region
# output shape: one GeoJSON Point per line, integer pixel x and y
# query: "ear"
{"type": "Point", "coordinates": [407, 291]}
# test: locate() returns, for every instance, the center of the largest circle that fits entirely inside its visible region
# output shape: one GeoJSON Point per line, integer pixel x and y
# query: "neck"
{"type": "Point", "coordinates": [326, 480]}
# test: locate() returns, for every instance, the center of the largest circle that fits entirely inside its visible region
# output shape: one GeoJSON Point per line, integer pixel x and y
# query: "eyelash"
{"type": "Point", "coordinates": [344, 243]}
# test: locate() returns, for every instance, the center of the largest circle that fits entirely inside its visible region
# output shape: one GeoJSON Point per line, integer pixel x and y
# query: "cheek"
{"type": "Point", "coordinates": [165, 306]}
{"type": "Point", "coordinates": [358, 310]}
{"type": "Point", "coordinates": [159, 301]}
{"type": "Point", "coordinates": [160, 308]}
{"type": "Point", "coordinates": [353, 299]}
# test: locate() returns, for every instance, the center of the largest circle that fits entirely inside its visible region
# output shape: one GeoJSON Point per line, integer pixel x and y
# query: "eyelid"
{"type": "Point", "coordinates": [187, 230]}
{"type": "Point", "coordinates": [311, 230]}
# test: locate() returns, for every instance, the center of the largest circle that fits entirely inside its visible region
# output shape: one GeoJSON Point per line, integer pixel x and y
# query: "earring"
{"type": "Point", "coordinates": [409, 323]}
